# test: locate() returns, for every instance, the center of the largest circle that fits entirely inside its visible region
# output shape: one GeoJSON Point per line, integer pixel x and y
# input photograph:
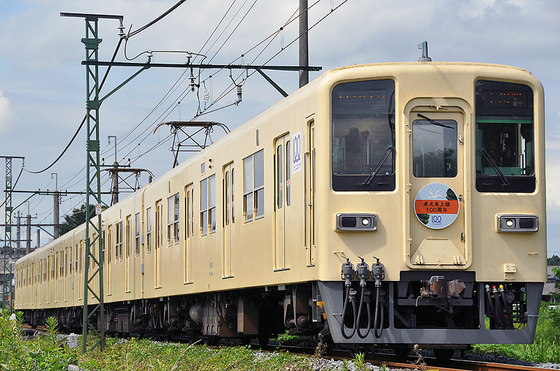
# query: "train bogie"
{"type": "Point", "coordinates": [380, 204]}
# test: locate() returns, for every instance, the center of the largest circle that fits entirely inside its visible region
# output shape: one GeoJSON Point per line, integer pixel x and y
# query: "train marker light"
{"type": "Point", "coordinates": [356, 222]}
{"type": "Point", "coordinates": [518, 223]}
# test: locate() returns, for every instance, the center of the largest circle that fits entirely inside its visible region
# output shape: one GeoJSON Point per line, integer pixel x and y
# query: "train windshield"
{"type": "Point", "coordinates": [363, 136]}
{"type": "Point", "coordinates": [504, 137]}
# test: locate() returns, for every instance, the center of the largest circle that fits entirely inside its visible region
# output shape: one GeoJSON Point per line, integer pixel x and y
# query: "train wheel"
{"type": "Point", "coordinates": [401, 353]}
{"type": "Point", "coordinates": [263, 340]}
{"type": "Point", "coordinates": [443, 354]}
{"type": "Point", "coordinates": [210, 340]}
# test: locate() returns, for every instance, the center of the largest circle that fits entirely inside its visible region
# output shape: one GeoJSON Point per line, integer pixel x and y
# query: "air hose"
{"type": "Point", "coordinates": [363, 274]}
{"type": "Point", "coordinates": [507, 308]}
{"type": "Point", "coordinates": [378, 274]}
{"type": "Point", "coordinates": [489, 301]}
{"type": "Point", "coordinates": [348, 273]}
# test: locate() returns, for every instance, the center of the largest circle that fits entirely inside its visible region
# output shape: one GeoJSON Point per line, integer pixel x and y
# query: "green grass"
{"type": "Point", "coordinates": [546, 347]}
{"type": "Point", "coordinates": [50, 352]}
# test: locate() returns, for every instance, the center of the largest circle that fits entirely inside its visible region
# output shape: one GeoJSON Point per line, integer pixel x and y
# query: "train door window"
{"type": "Point", "coordinates": [104, 244]}
{"type": "Point", "coordinates": [434, 145]}
{"type": "Point", "coordinates": [137, 239]}
{"type": "Point", "coordinates": [128, 236]}
{"type": "Point", "coordinates": [505, 147]}
{"type": "Point", "coordinates": [109, 243]}
{"type": "Point", "coordinates": [119, 242]}
{"type": "Point", "coordinates": [189, 212]}
{"type": "Point", "coordinates": [149, 229]}
{"type": "Point", "coordinates": [66, 262]}
{"type": "Point", "coordinates": [363, 136]}
{"type": "Point", "coordinates": [227, 230]}
{"type": "Point", "coordinates": [253, 186]}
{"type": "Point", "coordinates": [288, 163]}
{"type": "Point", "coordinates": [279, 177]}
{"type": "Point", "coordinates": [173, 220]}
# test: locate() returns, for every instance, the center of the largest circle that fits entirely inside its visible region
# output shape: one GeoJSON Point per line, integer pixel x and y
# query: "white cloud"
{"type": "Point", "coordinates": [6, 113]}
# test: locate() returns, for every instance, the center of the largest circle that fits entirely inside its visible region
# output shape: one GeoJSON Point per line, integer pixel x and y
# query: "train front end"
{"type": "Point", "coordinates": [430, 204]}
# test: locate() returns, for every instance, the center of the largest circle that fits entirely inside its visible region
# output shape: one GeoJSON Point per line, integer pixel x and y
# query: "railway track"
{"type": "Point", "coordinates": [453, 365]}
{"type": "Point", "coordinates": [416, 362]}
{"type": "Point", "coordinates": [412, 362]}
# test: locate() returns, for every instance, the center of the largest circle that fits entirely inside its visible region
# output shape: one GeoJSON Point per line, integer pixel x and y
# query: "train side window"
{"type": "Point", "coordinates": [149, 229]}
{"type": "Point", "coordinates": [505, 147]}
{"type": "Point", "coordinates": [363, 136]}
{"type": "Point", "coordinates": [208, 205]}
{"type": "Point", "coordinates": [173, 219]}
{"type": "Point", "coordinates": [253, 186]}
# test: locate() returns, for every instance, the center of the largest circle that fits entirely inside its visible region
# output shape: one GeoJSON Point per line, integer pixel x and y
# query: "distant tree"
{"type": "Point", "coordinates": [553, 260]}
{"type": "Point", "coordinates": [76, 218]}
{"type": "Point", "coordinates": [556, 271]}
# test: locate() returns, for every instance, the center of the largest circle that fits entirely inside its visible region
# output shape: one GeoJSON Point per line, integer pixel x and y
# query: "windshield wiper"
{"type": "Point", "coordinates": [377, 167]}
{"type": "Point", "coordinates": [489, 159]}
{"type": "Point", "coordinates": [433, 122]}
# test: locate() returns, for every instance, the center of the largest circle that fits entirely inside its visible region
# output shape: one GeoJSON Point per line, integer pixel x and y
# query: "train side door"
{"type": "Point", "coordinates": [189, 234]}
{"type": "Point", "coordinates": [436, 187]}
{"type": "Point", "coordinates": [128, 243]}
{"type": "Point", "coordinates": [310, 164]}
{"type": "Point", "coordinates": [228, 219]}
{"type": "Point", "coordinates": [282, 198]}
{"type": "Point", "coordinates": [159, 243]}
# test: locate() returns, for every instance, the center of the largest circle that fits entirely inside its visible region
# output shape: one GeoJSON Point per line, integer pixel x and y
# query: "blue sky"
{"type": "Point", "coordinates": [42, 89]}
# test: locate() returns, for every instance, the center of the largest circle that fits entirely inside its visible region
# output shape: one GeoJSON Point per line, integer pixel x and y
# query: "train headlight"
{"type": "Point", "coordinates": [518, 223]}
{"type": "Point", "coordinates": [356, 222]}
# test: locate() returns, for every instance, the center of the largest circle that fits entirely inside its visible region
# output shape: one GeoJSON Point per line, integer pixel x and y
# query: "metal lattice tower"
{"type": "Point", "coordinates": [7, 288]}
{"type": "Point", "coordinates": [93, 264]}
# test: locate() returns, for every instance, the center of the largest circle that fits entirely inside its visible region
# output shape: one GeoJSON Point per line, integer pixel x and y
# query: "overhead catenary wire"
{"type": "Point", "coordinates": [165, 14]}
{"type": "Point", "coordinates": [83, 120]}
{"type": "Point", "coordinates": [232, 87]}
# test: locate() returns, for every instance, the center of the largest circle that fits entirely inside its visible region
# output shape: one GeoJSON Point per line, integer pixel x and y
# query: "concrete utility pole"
{"type": "Point", "coordinates": [56, 209]}
{"type": "Point", "coordinates": [303, 43]}
{"type": "Point", "coordinates": [28, 235]}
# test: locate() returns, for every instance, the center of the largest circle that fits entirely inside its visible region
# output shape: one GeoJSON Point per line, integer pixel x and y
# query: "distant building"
{"type": "Point", "coordinates": [550, 286]}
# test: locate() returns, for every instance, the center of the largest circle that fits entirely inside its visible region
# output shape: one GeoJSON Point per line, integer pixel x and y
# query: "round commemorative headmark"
{"type": "Point", "coordinates": [436, 206]}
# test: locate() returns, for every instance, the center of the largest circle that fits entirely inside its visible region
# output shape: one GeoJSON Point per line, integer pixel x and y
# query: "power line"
{"type": "Point", "coordinates": [157, 19]}
{"type": "Point", "coordinates": [83, 120]}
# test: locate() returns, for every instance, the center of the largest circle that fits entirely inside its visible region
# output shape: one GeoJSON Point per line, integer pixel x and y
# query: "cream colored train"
{"type": "Point", "coordinates": [382, 204]}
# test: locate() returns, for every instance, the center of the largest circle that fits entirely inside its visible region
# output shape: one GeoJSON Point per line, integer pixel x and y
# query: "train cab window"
{"type": "Point", "coordinates": [363, 136]}
{"type": "Point", "coordinates": [505, 147]}
{"type": "Point", "coordinates": [434, 145]}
